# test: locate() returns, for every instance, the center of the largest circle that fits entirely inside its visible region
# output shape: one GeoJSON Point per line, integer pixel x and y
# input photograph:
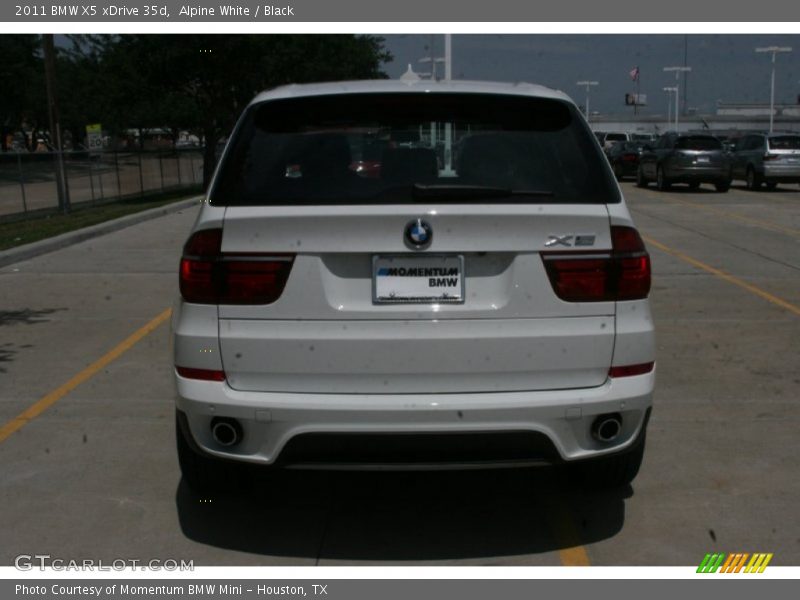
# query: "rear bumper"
{"type": "Point", "coordinates": [689, 174]}
{"type": "Point", "coordinates": [782, 173]}
{"type": "Point", "coordinates": [559, 421]}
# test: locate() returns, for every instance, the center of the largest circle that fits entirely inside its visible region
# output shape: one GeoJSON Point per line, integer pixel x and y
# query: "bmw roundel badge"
{"type": "Point", "coordinates": [418, 234]}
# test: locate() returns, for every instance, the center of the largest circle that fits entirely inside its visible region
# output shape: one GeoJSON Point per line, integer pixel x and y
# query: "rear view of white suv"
{"type": "Point", "coordinates": [424, 275]}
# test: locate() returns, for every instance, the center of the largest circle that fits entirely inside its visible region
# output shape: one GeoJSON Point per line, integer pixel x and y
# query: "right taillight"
{"type": "Point", "coordinates": [209, 276]}
{"type": "Point", "coordinates": [622, 274]}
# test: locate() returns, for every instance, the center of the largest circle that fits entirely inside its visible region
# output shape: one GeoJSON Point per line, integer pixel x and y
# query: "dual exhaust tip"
{"type": "Point", "coordinates": [606, 428]}
{"type": "Point", "coordinates": [226, 432]}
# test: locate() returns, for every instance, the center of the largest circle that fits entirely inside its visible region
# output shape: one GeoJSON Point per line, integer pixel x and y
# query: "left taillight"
{"type": "Point", "coordinates": [622, 274]}
{"type": "Point", "coordinates": [209, 276]}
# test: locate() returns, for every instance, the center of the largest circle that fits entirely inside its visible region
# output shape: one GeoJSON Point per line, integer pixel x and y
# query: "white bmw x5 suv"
{"type": "Point", "coordinates": [413, 275]}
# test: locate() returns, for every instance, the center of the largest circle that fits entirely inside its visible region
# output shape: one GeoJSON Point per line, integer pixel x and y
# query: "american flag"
{"type": "Point", "coordinates": [634, 73]}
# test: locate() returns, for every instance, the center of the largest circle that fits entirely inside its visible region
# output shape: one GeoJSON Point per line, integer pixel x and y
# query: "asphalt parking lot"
{"type": "Point", "coordinates": [94, 474]}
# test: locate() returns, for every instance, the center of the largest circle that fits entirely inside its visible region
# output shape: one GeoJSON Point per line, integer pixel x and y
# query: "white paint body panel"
{"type": "Point", "coordinates": [325, 358]}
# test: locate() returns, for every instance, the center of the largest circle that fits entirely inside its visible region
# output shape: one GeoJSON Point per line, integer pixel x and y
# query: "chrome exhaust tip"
{"type": "Point", "coordinates": [606, 428]}
{"type": "Point", "coordinates": [226, 432]}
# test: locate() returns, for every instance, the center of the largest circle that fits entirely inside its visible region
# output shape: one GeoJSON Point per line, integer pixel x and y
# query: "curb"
{"type": "Point", "coordinates": [20, 253]}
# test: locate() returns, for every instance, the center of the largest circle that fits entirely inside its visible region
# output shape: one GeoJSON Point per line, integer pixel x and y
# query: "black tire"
{"type": "Point", "coordinates": [662, 183]}
{"type": "Point", "coordinates": [204, 473]}
{"type": "Point", "coordinates": [694, 185]}
{"type": "Point", "coordinates": [722, 186]}
{"type": "Point", "coordinates": [751, 179]}
{"type": "Point", "coordinates": [640, 178]}
{"type": "Point", "coordinates": [615, 471]}
{"type": "Point", "coordinates": [618, 172]}
{"type": "Point", "coordinates": [771, 186]}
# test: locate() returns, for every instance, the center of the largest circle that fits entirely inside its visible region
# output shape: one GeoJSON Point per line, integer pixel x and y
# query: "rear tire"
{"type": "Point", "coordinates": [615, 471]}
{"type": "Point", "coordinates": [662, 183]}
{"type": "Point", "coordinates": [694, 185]}
{"type": "Point", "coordinates": [201, 472]}
{"type": "Point", "coordinates": [771, 186]}
{"type": "Point", "coordinates": [640, 178]}
{"type": "Point", "coordinates": [618, 172]}
{"type": "Point", "coordinates": [751, 179]}
{"type": "Point", "coordinates": [723, 186]}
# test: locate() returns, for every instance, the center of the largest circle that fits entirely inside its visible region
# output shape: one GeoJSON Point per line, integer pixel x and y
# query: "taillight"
{"type": "Point", "coordinates": [771, 156]}
{"type": "Point", "coordinates": [202, 374]}
{"type": "Point", "coordinates": [622, 274]}
{"type": "Point", "coordinates": [630, 157]}
{"type": "Point", "coordinates": [630, 370]}
{"type": "Point", "coordinates": [208, 276]}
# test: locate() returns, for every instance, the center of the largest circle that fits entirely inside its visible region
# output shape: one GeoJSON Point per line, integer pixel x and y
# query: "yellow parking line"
{"type": "Point", "coordinates": [562, 524]}
{"type": "Point", "coordinates": [753, 289]}
{"type": "Point", "coordinates": [47, 401]}
{"type": "Point", "coordinates": [749, 220]}
{"type": "Point", "coordinates": [738, 217]}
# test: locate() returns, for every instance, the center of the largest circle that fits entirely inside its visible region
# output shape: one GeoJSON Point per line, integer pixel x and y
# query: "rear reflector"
{"type": "Point", "coordinates": [630, 370]}
{"type": "Point", "coordinates": [622, 274]}
{"type": "Point", "coordinates": [204, 374]}
{"type": "Point", "coordinates": [208, 276]}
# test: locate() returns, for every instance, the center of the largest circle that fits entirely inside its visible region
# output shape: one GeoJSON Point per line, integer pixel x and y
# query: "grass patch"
{"type": "Point", "coordinates": [18, 232]}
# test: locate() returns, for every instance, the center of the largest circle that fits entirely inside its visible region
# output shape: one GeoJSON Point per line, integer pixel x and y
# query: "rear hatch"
{"type": "Point", "coordinates": [784, 152]}
{"type": "Point", "coordinates": [425, 274]}
{"type": "Point", "coordinates": [700, 151]}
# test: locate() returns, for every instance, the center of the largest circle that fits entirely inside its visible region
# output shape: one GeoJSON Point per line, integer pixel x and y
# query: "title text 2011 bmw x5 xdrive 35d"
{"type": "Point", "coordinates": [475, 296]}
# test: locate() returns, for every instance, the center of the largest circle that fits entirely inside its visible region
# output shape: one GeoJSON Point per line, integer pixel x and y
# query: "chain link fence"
{"type": "Point", "coordinates": [28, 180]}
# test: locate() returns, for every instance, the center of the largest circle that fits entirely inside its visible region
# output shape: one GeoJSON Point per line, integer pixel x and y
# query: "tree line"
{"type": "Point", "coordinates": [195, 83]}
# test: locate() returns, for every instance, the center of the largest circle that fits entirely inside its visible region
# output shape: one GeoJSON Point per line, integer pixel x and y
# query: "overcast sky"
{"type": "Point", "coordinates": [724, 67]}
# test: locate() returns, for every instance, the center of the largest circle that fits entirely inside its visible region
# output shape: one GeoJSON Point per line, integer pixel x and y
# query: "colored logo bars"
{"type": "Point", "coordinates": [734, 563]}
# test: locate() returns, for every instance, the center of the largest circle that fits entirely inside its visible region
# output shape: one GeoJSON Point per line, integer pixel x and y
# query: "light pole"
{"type": "Point", "coordinates": [669, 91]}
{"type": "Point", "coordinates": [774, 50]}
{"type": "Point", "coordinates": [588, 85]}
{"type": "Point", "coordinates": [678, 71]}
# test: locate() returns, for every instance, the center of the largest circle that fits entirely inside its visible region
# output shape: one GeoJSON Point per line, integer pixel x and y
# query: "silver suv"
{"type": "Point", "coordinates": [426, 275]}
{"type": "Point", "coordinates": [767, 159]}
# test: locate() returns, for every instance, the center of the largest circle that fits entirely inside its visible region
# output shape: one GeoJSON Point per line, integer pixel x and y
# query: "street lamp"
{"type": "Point", "coordinates": [588, 85]}
{"type": "Point", "coordinates": [678, 71]}
{"type": "Point", "coordinates": [669, 91]}
{"type": "Point", "coordinates": [774, 50]}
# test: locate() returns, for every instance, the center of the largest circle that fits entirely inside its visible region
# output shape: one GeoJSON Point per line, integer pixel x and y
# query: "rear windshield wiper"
{"type": "Point", "coordinates": [473, 192]}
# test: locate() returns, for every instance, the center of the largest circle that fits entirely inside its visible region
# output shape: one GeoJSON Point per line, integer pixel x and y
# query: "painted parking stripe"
{"type": "Point", "coordinates": [735, 216]}
{"type": "Point", "coordinates": [562, 525]}
{"type": "Point", "coordinates": [753, 289]}
{"type": "Point", "coordinates": [41, 405]}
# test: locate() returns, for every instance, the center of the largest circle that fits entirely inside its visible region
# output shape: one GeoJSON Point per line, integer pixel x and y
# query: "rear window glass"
{"type": "Point", "coordinates": [397, 148]}
{"type": "Point", "coordinates": [698, 143]}
{"type": "Point", "coordinates": [616, 137]}
{"type": "Point", "coordinates": [785, 142]}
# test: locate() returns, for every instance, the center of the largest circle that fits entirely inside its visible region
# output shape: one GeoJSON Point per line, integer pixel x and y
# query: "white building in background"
{"type": "Point", "coordinates": [729, 117]}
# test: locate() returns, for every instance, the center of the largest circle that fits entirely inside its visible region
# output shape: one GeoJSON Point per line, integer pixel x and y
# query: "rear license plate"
{"type": "Point", "coordinates": [427, 279]}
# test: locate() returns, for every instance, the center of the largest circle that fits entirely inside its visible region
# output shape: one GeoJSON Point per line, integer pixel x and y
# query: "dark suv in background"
{"type": "Point", "coordinates": [768, 159]}
{"type": "Point", "coordinates": [687, 158]}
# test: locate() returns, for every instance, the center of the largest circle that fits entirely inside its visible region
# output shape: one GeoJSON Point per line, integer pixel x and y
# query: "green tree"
{"type": "Point", "coordinates": [202, 82]}
{"type": "Point", "coordinates": [23, 99]}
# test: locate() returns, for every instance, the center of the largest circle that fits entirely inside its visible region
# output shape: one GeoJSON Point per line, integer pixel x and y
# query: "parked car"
{"type": "Point", "coordinates": [611, 137]}
{"type": "Point", "coordinates": [490, 313]}
{"type": "Point", "coordinates": [767, 159]}
{"type": "Point", "coordinates": [693, 159]}
{"type": "Point", "coordinates": [643, 138]}
{"type": "Point", "coordinates": [624, 159]}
